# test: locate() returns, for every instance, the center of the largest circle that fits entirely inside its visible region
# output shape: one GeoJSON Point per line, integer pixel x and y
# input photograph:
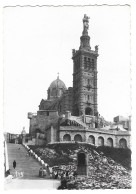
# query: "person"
{"type": "Point", "coordinates": [7, 173]}
{"type": "Point", "coordinates": [63, 184]}
{"type": "Point", "coordinates": [48, 170]}
{"type": "Point", "coordinates": [44, 172]}
{"type": "Point", "coordinates": [21, 174]}
{"type": "Point", "coordinates": [51, 175]}
{"type": "Point", "coordinates": [56, 175]}
{"type": "Point", "coordinates": [70, 175]}
{"type": "Point", "coordinates": [14, 164]}
{"type": "Point", "coordinates": [41, 172]}
{"type": "Point", "coordinates": [67, 173]}
{"type": "Point", "coordinates": [61, 175]}
{"type": "Point", "coordinates": [75, 174]}
{"type": "Point", "coordinates": [64, 174]}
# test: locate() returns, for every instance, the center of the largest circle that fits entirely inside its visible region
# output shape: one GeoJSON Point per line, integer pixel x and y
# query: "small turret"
{"type": "Point", "coordinates": [23, 134]}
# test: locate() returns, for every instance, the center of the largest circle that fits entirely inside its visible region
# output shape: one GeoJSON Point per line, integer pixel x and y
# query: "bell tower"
{"type": "Point", "coordinates": [85, 75]}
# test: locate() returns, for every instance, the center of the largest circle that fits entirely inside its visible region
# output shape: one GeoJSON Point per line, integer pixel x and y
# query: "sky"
{"type": "Point", "coordinates": [38, 43]}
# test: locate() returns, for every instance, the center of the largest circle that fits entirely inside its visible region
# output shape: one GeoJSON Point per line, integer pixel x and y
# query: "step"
{"type": "Point", "coordinates": [26, 164]}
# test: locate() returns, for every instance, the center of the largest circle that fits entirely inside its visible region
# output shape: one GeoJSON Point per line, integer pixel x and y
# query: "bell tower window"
{"type": "Point", "coordinates": [88, 81]}
{"type": "Point", "coordinates": [85, 62]}
{"type": "Point", "coordinates": [88, 97]}
{"type": "Point", "coordinates": [92, 64]}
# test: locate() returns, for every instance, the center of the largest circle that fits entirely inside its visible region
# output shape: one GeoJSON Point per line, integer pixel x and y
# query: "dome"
{"type": "Point", "coordinates": [56, 89]}
{"type": "Point", "coordinates": [57, 84]}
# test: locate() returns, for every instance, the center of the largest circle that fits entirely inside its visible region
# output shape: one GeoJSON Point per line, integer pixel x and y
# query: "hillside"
{"type": "Point", "coordinates": [101, 174]}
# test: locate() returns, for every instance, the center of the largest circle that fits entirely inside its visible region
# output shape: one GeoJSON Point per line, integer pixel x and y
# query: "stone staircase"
{"type": "Point", "coordinates": [79, 121]}
{"type": "Point", "coordinates": [25, 163]}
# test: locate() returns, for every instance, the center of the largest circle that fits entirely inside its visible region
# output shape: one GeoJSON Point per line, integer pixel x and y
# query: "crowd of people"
{"type": "Point", "coordinates": [57, 173]}
{"type": "Point", "coordinates": [50, 172]}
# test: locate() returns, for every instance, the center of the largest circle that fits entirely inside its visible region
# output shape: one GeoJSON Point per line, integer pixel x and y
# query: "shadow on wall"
{"type": "Point", "coordinates": [120, 155]}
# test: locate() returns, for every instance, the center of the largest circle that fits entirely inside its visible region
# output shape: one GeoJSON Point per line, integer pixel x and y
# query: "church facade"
{"type": "Point", "coordinates": [72, 114]}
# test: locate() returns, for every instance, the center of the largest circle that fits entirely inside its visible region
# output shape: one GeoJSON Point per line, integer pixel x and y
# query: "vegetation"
{"type": "Point", "coordinates": [62, 153]}
{"type": "Point", "coordinates": [120, 155]}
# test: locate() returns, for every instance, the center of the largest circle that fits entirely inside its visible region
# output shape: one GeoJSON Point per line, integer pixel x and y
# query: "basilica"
{"type": "Point", "coordinates": [71, 114]}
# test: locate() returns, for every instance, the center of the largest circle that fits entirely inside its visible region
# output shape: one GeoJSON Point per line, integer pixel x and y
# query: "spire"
{"type": "Point", "coordinates": [85, 39]}
{"type": "Point", "coordinates": [58, 76]}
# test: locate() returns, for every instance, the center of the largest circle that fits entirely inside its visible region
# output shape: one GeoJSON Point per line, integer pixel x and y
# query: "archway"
{"type": "Point", "coordinates": [91, 139]}
{"type": "Point", "coordinates": [78, 138]}
{"type": "Point", "coordinates": [100, 141]}
{"type": "Point", "coordinates": [88, 111]}
{"type": "Point", "coordinates": [110, 142]}
{"type": "Point", "coordinates": [122, 143]}
{"type": "Point", "coordinates": [82, 163]}
{"type": "Point", "coordinates": [66, 137]}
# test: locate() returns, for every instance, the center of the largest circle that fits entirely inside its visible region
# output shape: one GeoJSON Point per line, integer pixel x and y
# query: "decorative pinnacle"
{"type": "Point", "coordinates": [58, 76]}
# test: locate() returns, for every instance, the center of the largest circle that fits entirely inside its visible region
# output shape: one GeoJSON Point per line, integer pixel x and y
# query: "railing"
{"type": "Point", "coordinates": [108, 131]}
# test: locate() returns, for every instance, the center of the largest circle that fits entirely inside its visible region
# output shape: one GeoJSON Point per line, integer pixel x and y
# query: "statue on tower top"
{"type": "Point", "coordinates": [85, 39]}
{"type": "Point", "coordinates": [85, 23]}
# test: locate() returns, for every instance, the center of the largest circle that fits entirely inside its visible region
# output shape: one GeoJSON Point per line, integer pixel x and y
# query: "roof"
{"type": "Point", "coordinates": [115, 127]}
{"type": "Point", "coordinates": [73, 120]}
{"type": "Point", "coordinates": [58, 84]}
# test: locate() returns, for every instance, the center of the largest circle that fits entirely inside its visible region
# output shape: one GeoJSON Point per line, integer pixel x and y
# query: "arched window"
{"type": "Point", "coordinates": [85, 62]}
{"type": "Point", "coordinates": [110, 142]}
{"type": "Point", "coordinates": [88, 81]}
{"type": "Point", "coordinates": [92, 64]}
{"type": "Point", "coordinates": [122, 143]}
{"type": "Point", "coordinates": [88, 111]}
{"type": "Point", "coordinates": [66, 137]}
{"type": "Point", "coordinates": [78, 138]}
{"type": "Point", "coordinates": [100, 141]}
{"type": "Point", "coordinates": [88, 98]}
{"type": "Point", "coordinates": [91, 139]}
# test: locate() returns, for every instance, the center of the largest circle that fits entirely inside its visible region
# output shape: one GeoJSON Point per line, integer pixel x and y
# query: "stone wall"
{"type": "Point", "coordinates": [48, 135]}
{"type": "Point", "coordinates": [66, 101]}
{"type": "Point", "coordinates": [39, 141]}
{"type": "Point", "coordinates": [97, 137]}
{"type": "Point", "coordinates": [45, 121]}
{"type": "Point", "coordinates": [33, 125]}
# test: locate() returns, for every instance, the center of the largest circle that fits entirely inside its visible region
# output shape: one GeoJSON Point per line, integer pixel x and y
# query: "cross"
{"type": "Point", "coordinates": [58, 75]}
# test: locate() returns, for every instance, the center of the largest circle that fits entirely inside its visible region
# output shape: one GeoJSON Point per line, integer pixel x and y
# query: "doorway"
{"type": "Point", "coordinates": [82, 164]}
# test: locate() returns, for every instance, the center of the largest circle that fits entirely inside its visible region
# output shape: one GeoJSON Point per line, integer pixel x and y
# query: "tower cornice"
{"type": "Point", "coordinates": [85, 52]}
